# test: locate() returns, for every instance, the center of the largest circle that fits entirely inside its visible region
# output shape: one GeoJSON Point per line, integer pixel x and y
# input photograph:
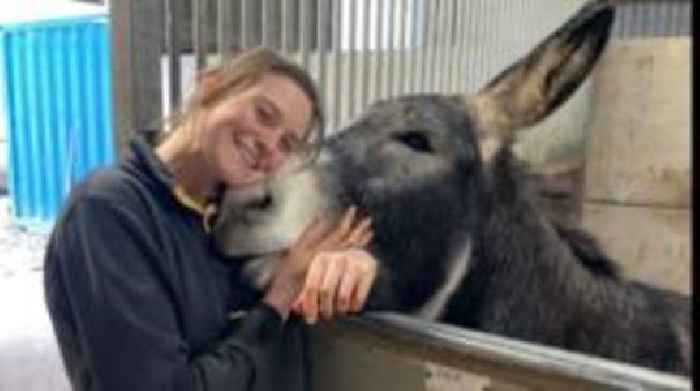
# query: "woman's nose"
{"type": "Point", "coordinates": [271, 145]}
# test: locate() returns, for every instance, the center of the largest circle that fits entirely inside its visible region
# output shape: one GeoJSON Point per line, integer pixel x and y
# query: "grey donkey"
{"type": "Point", "coordinates": [458, 229]}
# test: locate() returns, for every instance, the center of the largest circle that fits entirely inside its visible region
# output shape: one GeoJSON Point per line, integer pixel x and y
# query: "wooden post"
{"type": "Point", "coordinates": [200, 32]}
{"type": "Point", "coordinates": [175, 15]}
{"type": "Point", "coordinates": [137, 45]}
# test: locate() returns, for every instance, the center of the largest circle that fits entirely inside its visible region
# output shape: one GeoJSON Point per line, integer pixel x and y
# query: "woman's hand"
{"type": "Point", "coordinates": [319, 242]}
{"type": "Point", "coordinates": [338, 282]}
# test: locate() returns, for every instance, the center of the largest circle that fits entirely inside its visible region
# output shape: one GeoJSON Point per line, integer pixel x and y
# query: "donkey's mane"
{"type": "Point", "coordinates": [588, 252]}
{"type": "Point", "coordinates": [510, 172]}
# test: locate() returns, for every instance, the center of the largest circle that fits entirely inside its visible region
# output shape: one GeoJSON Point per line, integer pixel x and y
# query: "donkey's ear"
{"type": "Point", "coordinates": [533, 87]}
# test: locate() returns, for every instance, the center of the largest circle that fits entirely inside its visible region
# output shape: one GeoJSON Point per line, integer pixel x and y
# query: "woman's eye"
{"type": "Point", "coordinates": [265, 115]}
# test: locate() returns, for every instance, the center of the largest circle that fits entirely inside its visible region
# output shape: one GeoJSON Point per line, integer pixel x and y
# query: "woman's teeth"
{"type": "Point", "coordinates": [247, 150]}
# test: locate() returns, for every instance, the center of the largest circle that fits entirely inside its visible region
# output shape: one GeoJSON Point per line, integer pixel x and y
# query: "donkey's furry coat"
{"type": "Point", "coordinates": [458, 231]}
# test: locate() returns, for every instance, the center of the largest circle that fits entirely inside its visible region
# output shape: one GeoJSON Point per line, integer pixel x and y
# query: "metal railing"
{"type": "Point", "coordinates": [497, 362]}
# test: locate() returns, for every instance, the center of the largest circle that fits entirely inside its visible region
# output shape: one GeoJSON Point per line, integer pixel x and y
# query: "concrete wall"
{"type": "Point", "coordinates": [638, 170]}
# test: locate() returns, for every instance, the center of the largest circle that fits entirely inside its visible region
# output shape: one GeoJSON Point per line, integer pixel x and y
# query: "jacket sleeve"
{"type": "Point", "coordinates": [125, 318]}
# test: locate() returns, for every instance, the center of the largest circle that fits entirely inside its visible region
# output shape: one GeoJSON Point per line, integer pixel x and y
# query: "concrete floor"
{"type": "Point", "coordinates": [29, 356]}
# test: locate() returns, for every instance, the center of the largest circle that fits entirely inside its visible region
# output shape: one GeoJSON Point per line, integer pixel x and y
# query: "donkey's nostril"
{"type": "Point", "coordinates": [263, 202]}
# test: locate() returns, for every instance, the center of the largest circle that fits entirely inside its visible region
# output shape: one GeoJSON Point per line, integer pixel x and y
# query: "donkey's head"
{"type": "Point", "coordinates": [418, 163]}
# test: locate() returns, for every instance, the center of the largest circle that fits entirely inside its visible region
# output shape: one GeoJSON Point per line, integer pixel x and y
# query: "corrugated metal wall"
{"type": "Point", "coordinates": [653, 18]}
{"type": "Point", "coordinates": [363, 50]}
{"type": "Point", "coordinates": [59, 122]}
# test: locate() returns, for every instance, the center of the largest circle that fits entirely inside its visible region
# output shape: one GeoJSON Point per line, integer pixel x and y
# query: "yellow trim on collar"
{"type": "Point", "coordinates": [197, 204]}
{"type": "Point", "coordinates": [201, 205]}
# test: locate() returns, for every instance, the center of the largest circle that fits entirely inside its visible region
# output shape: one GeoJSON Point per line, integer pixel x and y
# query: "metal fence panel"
{"type": "Point", "coordinates": [57, 90]}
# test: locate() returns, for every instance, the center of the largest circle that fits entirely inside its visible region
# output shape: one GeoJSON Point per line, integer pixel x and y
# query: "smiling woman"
{"type": "Point", "coordinates": [258, 106]}
{"type": "Point", "coordinates": [139, 297]}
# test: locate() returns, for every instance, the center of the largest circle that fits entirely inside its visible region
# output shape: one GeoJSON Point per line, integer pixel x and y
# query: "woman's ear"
{"type": "Point", "coordinates": [208, 82]}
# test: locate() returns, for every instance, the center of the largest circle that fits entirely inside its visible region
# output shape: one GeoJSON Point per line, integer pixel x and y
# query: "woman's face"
{"type": "Point", "coordinates": [247, 136]}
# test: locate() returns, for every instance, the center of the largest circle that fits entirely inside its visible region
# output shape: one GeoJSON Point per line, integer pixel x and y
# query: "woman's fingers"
{"type": "Point", "coordinates": [337, 283]}
{"type": "Point", "coordinates": [348, 286]}
{"type": "Point", "coordinates": [320, 261]}
{"type": "Point", "coordinates": [335, 268]}
{"type": "Point", "coordinates": [355, 236]}
{"type": "Point", "coordinates": [312, 287]}
{"type": "Point", "coordinates": [365, 239]}
{"type": "Point", "coordinates": [368, 274]}
{"type": "Point", "coordinates": [321, 235]}
{"type": "Point", "coordinates": [298, 305]}
{"type": "Point", "coordinates": [361, 294]}
{"type": "Point", "coordinates": [340, 232]}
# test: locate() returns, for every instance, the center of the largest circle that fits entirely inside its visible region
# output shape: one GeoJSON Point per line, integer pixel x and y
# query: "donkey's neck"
{"type": "Point", "coordinates": [518, 257]}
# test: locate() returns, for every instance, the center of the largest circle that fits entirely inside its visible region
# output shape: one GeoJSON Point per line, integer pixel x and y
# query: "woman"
{"type": "Point", "coordinates": [139, 298]}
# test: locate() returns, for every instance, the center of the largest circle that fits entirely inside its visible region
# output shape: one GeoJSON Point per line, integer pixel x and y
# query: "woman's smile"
{"type": "Point", "coordinates": [246, 149]}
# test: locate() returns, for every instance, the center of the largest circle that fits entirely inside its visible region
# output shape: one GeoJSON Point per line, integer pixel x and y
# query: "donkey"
{"type": "Point", "coordinates": [458, 230]}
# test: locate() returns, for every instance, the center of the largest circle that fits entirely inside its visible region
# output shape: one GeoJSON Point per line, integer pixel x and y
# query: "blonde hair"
{"type": "Point", "coordinates": [238, 73]}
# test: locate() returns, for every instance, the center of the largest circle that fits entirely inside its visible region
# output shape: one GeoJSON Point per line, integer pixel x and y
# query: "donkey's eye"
{"type": "Point", "coordinates": [415, 140]}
